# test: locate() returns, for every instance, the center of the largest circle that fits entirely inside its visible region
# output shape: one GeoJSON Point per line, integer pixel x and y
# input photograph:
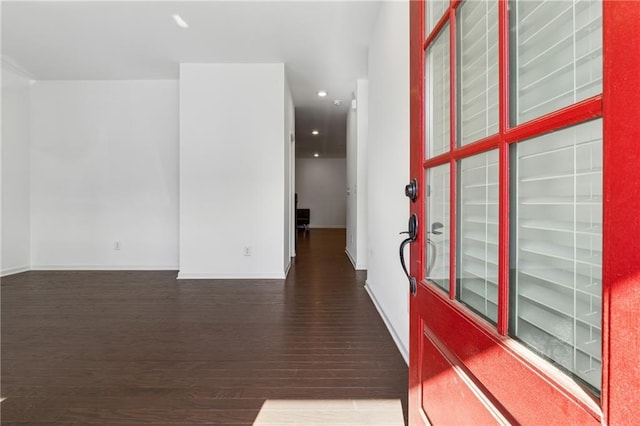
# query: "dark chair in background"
{"type": "Point", "coordinates": [303, 218]}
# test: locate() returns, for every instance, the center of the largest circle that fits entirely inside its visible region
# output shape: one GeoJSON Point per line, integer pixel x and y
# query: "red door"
{"type": "Point", "coordinates": [525, 145]}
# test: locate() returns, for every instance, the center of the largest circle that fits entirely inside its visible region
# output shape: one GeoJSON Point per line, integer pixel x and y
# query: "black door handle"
{"type": "Point", "coordinates": [413, 234]}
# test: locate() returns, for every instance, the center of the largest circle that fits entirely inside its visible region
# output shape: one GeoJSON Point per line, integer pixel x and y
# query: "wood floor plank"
{"type": "Point", "coordinates": [140, 347]}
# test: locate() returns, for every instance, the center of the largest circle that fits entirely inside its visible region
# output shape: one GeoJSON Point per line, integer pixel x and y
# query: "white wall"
{"type": "Point", "coordinates": [16, 226]}
{"type": "Point", "coordinates": [289, 174]}
{"type": "Point", "coordinates": [357, 135]}
{"type": "Point", "coordinates": [321, 186]}
{"type": "Point", "coordinates": [352, 168]}
{"type": "Point", "coordinates": [388, 166]}
{"type": "Point", "coordinates": [232, 170]}
{"type": "Point", "coordinates": [104, 168]}
{"type": "Point", "coordinates": [361, 188]}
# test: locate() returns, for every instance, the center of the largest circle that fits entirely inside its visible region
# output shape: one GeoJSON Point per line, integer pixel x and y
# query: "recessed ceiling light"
{"type": "Point", "coordinates": [179, 21]}
{"type": "Point", "coordinates": [314, 132]}
{"type": "Point", "coordinates": [322, 93]}
{"type": "Point", "coordinates": [316, 155]}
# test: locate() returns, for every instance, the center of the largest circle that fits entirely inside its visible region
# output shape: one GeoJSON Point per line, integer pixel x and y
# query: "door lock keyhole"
{"type": "Point", "coordinates": [411, 190]}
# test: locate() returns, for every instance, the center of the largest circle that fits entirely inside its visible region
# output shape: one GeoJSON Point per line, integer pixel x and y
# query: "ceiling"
{"type": "Point", "coordinates": [322, 43]}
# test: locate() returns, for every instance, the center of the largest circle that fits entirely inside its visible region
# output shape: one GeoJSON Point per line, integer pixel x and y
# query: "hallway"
{"type": "Point", "coordinates": [132, 347]}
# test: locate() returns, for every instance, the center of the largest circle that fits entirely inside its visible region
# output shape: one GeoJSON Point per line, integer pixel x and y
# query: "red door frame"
{"type": "Point", "coordinates": [621, 213]}
{"type": "Point", "coordinates": [620, 107]}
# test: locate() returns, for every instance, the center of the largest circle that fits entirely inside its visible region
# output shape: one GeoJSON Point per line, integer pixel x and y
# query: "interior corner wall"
{"type": "Point", "coordinates": [388, 166]}
{"type": "Point", "coordinates": [357, 135]}
{"type": "Point", "coordinates": [104, 172]}
{"type": "Point", "coordinates": [352, 205]}
{"type": "Point", "coordinates": [289, 189]}
{"type": "Point", "coordinates": [321, 186]}
{"type": "Point", "coordinates": [232, 170]}
{"type": "Point", "coordinates": [16, 205]}
{"type": "Point", "coordinates": [361, 189]}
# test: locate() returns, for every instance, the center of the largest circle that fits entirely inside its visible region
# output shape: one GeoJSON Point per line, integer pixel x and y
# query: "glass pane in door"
{"type": "Point", "coordinates": [558, 55]}
{"type": "Point", "coordinates": [437, 229]}
{"type": "Point", "coordinates": [478, 236]}
{"type": "Point", "coordinates": [438, 96]}
{"type": "Point", "coordinates": [478, 70]}
{"type": "Point", "coordinates": [557, 290]}
{"type": "Point", "coordinates": [434, 10]}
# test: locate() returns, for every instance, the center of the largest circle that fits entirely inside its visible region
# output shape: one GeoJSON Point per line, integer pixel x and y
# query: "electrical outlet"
{"type": "Point", "coordinates": [247, 250]}
{"type": "Point", "coordinates": [116, 245]}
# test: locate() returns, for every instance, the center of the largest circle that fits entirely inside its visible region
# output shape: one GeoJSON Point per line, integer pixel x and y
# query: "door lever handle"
{"type": "Point", "coordinates": [413, 235]}
{"type": "Point", "coordinates": [412, 281]}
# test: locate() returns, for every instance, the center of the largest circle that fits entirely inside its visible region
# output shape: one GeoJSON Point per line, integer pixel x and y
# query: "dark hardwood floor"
{"type": "Point", "coordinates": [119, 348]}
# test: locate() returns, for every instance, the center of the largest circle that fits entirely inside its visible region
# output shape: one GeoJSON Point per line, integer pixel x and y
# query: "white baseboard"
{"type": "Point", "coordinates": [230, 276]}
{"type": "Point", "coordinates": [288, 268]}
{"type": "Point", "coordinates": [327, 226]}
{"type": "Point", "coordinates": [104, 268]}
{"type": "Point", "coordinates": [403, 351]}
{"type": "Point", "coordinates": [12, 271]}
{"type": "Point", "coordinates": [353, 262]}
